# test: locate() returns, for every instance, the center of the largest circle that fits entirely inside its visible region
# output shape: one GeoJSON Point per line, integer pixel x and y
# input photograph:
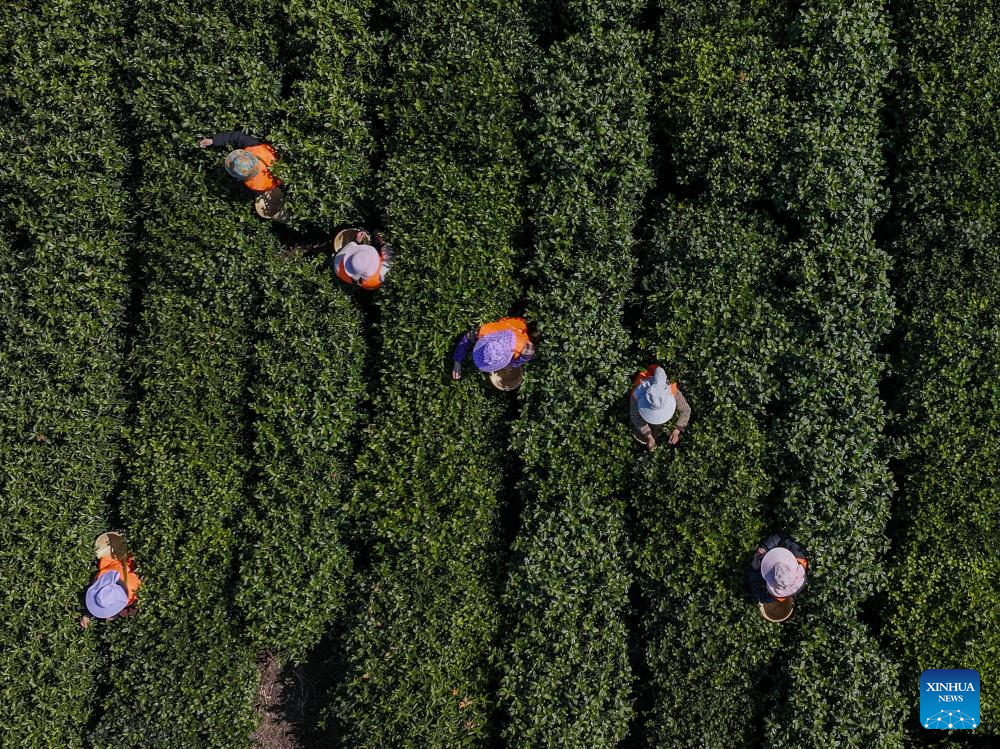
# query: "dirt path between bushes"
{"type": "Point", "coordinates": [279, 703]}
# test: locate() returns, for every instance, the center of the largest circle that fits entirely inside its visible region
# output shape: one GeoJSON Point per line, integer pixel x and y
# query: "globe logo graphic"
{"type": "Point", "coordinates": [950, 719]}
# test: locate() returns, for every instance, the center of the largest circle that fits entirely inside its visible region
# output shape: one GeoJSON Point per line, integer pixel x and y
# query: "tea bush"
{"type": "Point", "coordinates": [832, 471]}
{"type": "Point", "coordinates": [566, 675]}
{"type": "Point", "coordinates": [709, 317]}
{"type": "Point", "coordinates": [306, 403]}
{"type": "Point", "coordinates": [63, 292]}
{"type": "Point", "coordinates": [724, 75]}
{"type": "Point", "coordinates": [325, 136]}
{"type": "Point", "coordinates": [182, 665]}
{"type": "Point", "coordinates": [944, 598]}
{"type": "Point", "coordinates": [421, 645]}
{"type": "Point", "coordinates": [837, 690]}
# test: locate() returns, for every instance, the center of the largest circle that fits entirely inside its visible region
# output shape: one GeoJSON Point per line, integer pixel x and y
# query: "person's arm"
{"type": "Point", "coordinates": [683, 411]}
{"type": "Point", "coordinates": [524, 357]}
{"type": "Point", "coordinates": [794, 547]}
{"type": "Point", "coordinates": [638, 423]}
{"type": "Point", "coordinates": [465, 344]}
{"type": "Point", "coordinates": [755, 582]}
{"type": "Point", "coordinates": [233, 139]}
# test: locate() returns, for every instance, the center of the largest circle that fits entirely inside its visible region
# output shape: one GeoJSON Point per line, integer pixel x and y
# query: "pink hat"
{"type": "Point", "coordinates": [782, 573]}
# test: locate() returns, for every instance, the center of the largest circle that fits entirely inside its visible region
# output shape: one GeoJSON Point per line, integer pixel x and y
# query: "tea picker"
{"type": "Point", "coordinates": [360, 257]}
{"type": "Point", "coordinates": [113, 591]}
{"type": "Point", "coordinates": [499, 348]}
{"type": "Point", "coordinates": [249, 162]}
{"type": "Point", "coordinates": [652, 403]}
{"type": "Point", "coordinates": [776, 574]}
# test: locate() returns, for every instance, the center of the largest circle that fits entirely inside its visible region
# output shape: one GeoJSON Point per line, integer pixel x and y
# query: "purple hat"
{"type": "Point", "coordinates": [360, 260]}
{"type": "Point", "coordinates": [106, 596]}
{"type": "Point", "coordinates": [494, 351]}
{"type": "Point", "coordinates": [782, 573]}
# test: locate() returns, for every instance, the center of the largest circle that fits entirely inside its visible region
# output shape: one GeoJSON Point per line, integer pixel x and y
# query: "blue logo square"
{"type": "Point", "coordinates": [949, 698]}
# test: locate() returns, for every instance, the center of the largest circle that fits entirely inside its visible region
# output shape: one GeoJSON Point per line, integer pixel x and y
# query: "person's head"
{"type": "Point", "coordinates": [654, 400]}
{"type": "Point", "coordinates": [782, 573]}
{"type": "Point", "coordinates": [106, 596]}
{"type": "Point", "coordinates": [361, 261]}
{"type": "Point", "coordinates": [242, 164]}
{"type": "Point", "coordinates": [494, 351]}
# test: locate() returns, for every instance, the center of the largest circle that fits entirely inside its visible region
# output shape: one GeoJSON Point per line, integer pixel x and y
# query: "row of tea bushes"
{"type": "Point", "coordinates": [710, 319]}
{"type": "Point", "coordinates": [326, 134]}
{"type": "Point", "coordinates": [566, 674]}
{"type": "Point", "coordinates": [833, 479]}
{"type": "Point", "coordinates": [63, 294]}
{"type": "Point", "coordinates": [421, 650]}
{"type": "Point", "coordinates": [307, 391]}
{"type": "Point", "coordinates": [182, 670]}
{"type": "Point", "coordinates": [945, 595]}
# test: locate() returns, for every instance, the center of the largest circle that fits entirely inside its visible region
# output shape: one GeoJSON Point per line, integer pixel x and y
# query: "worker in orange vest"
{"type": "Point", "coordinates": [652, 403]}
{"type": "Point", "coordinates": [777, 570]}
{"type": "Point", "coordinates": [362, 264]}
{"type": "Point", "coordinates": [497, 345]}
{"type": "Point", "coordinates": [113, 591]}
{"type": "Point", "coordinates": [361, 257]}
{"type": "Point", "coordinates": [249, 162]}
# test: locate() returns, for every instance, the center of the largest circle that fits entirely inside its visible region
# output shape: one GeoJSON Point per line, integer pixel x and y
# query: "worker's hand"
{"type": "Point", "coordinates": [84, 621]}
{"type": "Point", "coordinates": [758, 555]}
{"type": "Point", "coordinates": [361, 237]}
{"type": "Point", "coordinates": [675, 436]}
{"type": "Point", "coordinates": [650, 442]}
{"type": "Point", "coordinates": [205, 142]}
{"type": "Point", "coordinates": [456, 371]}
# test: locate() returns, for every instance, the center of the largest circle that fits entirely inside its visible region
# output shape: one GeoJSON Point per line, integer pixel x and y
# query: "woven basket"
{"type": "Point", "coordinates": [507, 379]}
{"type": "Point", "coordinates": [110, 544]}
{"type": "Point", "coordinates": [777, 611]}
{"type": "Point", "coordinates": [343, 237]}
{"type": "Point", "coordinates": [271, 205]}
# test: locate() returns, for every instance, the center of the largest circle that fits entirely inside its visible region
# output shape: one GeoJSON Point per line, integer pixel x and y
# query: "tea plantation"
{"type": "Point", "coordinates": [792, 207]}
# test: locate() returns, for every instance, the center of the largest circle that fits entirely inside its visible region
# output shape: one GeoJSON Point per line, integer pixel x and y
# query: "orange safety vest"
{"type": "Point", "coordinates": [647, 374]}
{"type": "Point", "coordinates": [517, 324]}
{"type": "Point", "coordinates": [263, 180]}
{"type": "Point", "coordinates": [372, 282]}
{"type": "Point", "coordinates": [131, 580]}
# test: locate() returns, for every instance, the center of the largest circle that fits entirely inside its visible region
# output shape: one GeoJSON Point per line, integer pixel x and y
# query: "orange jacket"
{"type": "Point", "coordinates": [263, 180]}
{"type": "Point", "coordinates": [131, 580]}
{"type": "Point", "coordinates": [516, 324]}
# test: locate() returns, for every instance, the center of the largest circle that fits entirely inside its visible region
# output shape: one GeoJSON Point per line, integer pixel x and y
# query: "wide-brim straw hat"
{"type": "Point", "coordinates": [782, 573]}
{"type": "Point", "coordinates": [507, 379]}
{"type": "Point", "coordinates": [494, 351]}
{"type": "Point", "coordinates": [242, 164]}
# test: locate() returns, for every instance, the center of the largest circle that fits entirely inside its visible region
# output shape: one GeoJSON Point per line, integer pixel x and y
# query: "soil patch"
{"type": "Point", "coordinates": [280, 702]}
